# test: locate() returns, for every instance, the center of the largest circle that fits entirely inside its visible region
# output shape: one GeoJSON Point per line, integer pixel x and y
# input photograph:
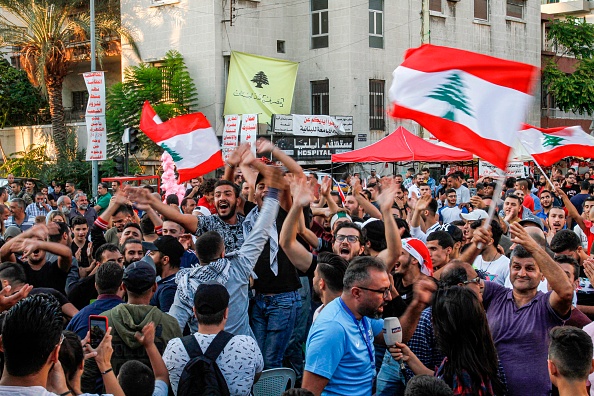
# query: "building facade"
{"type": "Point", "coordinates": [347, 49]}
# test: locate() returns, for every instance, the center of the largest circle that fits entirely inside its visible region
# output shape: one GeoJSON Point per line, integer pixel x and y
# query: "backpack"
{"type": "Point", "coordinates": [202, 375]}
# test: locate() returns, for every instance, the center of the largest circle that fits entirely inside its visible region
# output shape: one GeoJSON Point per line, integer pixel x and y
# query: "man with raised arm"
{"type": "Point", "coordinates": [232, 269]}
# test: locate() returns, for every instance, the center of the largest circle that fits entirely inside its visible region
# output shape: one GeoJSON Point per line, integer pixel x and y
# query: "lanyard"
{"type": "Point", "coordinates": [363, 334]}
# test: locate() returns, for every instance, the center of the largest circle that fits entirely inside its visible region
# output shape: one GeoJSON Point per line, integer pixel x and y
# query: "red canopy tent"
{"type": "Point", "coordinates": [402, 146]}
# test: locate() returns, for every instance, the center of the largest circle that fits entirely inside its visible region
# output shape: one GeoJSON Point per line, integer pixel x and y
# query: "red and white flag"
{"type": "Point", "coordinates": [189, 139]}
{"type": "Point", "coordinates": [547, 146]}
{"type": "Point", "coordinates": [470, 101]}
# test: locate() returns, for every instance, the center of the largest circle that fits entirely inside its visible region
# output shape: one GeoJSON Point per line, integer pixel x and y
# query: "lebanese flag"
{"type": "Point", "coordinates": [189, 139]}
{"type": "Point", "coordinates": [473, 102]}
{"type": "Point", "coordinates": [547, 146]}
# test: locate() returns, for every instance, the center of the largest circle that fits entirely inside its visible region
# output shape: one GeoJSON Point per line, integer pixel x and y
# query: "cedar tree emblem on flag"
{"type": "Point", "coordinates": [259, 79]}
{"type": "Point", "coordinates": [551, 141]}
{"type": "Point", "coordinates": [452, 93]}
{"type": "Point", "coordinates": [484, 99]}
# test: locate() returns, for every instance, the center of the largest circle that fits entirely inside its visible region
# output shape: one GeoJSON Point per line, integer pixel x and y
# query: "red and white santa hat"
{"type": "Point", "coordinates": [416, 248]}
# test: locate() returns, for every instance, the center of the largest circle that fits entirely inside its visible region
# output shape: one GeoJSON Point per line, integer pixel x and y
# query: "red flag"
{"type": "Point", "coordinates": [189, 139]}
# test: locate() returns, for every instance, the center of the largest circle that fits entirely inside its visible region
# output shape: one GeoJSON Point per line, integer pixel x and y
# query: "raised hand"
{"type": "Point", "coordinates": [264, 146]}
{"type": "Point", "coordinates": [302, 193]}
{"type": "Point", "coordinates": [385, 199]}
{"type": "Point", "coordinates": [8, 300]}
{"type": "Point", "coordinates": [147, 337]}
{"type": "Point", "coordinates": [326, 186]}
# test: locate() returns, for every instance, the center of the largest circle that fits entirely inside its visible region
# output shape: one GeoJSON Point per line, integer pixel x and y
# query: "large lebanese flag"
{"type": "Point", "coordinates": [470, 101]}
{"type": "Point", "coordinates": [547, 146]}
{"type": "Point", "coordinates": [189, 139]}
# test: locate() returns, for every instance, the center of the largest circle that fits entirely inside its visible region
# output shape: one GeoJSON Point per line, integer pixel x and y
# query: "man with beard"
{"type": "Point", "coordinates": [348, 242]}
{"type": "Point", "coordinates": [555, 223]}
{"type": "Point", "coordinates": [166, 253]}
{"type": "Point", "coordinates": [335, 360]}
{"type": "Point", "coordinates": [34, 246]}
{"type": "Point", "coordinates": [546, 201]}
{"type": "Point", "coordinates": [227, 222]}
{"type": "Point", "coordinates": [82, 209]}
{"type": "Point", "coordinates": [132, 251]}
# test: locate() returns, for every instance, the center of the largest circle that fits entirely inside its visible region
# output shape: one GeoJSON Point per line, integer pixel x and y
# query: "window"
{"type": "Point", "coordinates": [320, 97]}
{"type": "Point", "coordinates": [481, 10]}
{"type": "Point", "coordinates": [377, 112]}
{"type": "Point", "coordinates": [319, 24]}
{"type": "Point", "coordinates": [435, 5]}
{"type": "Point", "coordinates": [280, 46]}
{"type": "Point", "coordinates": [79, 100]}
{"type": "Point", "coordinates": [376, 24]}
{"type": "Point", "coordinates": [515, 9]}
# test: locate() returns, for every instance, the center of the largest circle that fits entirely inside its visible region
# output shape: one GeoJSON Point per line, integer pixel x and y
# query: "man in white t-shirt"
{"type": "Point", "coordinates": [240, 361]}
{"type": "Point", "coordinates": [415, 186]}
{"type": "Point", "coordinates": [462, 192]}
{"type": "Point", "coordinates": [450, 212]}
{"type": "Point", "coordinates": [491, 261]}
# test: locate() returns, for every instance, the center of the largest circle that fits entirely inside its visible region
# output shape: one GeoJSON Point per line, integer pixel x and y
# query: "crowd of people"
{"type": "Point", "coordinates": [269, 267]}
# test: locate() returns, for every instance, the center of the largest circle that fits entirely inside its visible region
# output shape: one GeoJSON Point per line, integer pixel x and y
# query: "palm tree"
{"type": "Point", "coordinates": [45, 32]}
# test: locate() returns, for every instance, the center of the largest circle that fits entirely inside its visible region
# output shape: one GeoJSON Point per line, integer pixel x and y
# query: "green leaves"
{"type": "Point", "coordinates": [169, 88]}
{"type": "Point", "coordinates": [573, 92]}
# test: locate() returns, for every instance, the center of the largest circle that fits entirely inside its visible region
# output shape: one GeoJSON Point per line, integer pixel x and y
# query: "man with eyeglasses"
{"type": "Point", "coordinates": [340, 353]}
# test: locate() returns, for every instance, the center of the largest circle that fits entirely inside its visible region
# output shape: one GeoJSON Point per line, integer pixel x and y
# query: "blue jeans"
{"type": "Point", "coordinates": [390, 380]}
{"type": "Point", "coordinates": [273, 319]}
{"type": "Point", "coordinates": [294, 356]}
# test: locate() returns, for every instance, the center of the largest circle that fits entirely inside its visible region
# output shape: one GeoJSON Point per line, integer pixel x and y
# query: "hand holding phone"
{"type": "Point", "coordinates": [98, 328]}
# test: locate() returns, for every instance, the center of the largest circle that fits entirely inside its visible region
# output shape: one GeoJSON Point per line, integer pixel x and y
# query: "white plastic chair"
{"type": "Point", "coordinates": [274, 382]}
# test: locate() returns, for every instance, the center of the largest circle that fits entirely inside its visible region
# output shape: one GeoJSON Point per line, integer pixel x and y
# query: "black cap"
{"type": "Point", "coordinates": [210, 298]}
{"type": "Point", "coordinates": [454, 231]}
{"type": "Point", "coordinates": [375, 230]}
{"type": "Point", "coordinates": [167, 245]}
{"type": "Point", "coordinates": [139, 276]}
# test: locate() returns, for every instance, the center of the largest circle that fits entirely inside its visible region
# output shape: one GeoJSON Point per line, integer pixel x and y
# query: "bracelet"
{"type": "Point", "coordinates": [107, 371]}
{"type": "Point", "coordinates": [229, 165]}
{"type": "Point", "coordinates": [68, 392]}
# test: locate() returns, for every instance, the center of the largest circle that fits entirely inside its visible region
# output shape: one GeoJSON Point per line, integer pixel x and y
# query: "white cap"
{"type": "Point", "coordinates": [201, 211]}
{"type": "Point", "coordinates": [477, 214]}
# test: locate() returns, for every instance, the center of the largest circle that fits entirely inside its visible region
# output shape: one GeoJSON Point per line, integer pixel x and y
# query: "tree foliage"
{"type": "Point", "coordinates": [574, 92]}
{"type": "Point", "coordinates": [20, 101]}
{"type": "Point", "coordinates": [36, 162]}
{"type": "Point", "coordinates": [169, 88]}
{"type": "Point", "coordinates": [48, 35]}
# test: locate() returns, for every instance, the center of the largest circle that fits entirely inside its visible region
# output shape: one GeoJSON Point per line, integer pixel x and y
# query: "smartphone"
{"type": "Point", "coordinates": [98, 328]}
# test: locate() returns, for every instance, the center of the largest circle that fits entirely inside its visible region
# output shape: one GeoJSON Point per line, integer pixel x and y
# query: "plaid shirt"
{"type": "Point", "coordinates": [34, 211]}
{"type": "Point", "coordinates": [422, 344]}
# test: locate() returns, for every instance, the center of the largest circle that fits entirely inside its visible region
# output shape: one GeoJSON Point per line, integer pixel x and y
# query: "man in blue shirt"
{"type": "Point", "coordinates": [108, 282]}
{"type": "Point", "coordinates": [339, 357]}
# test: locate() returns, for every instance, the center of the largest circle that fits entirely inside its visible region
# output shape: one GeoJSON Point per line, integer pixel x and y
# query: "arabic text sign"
{"type": "Point", "coordinates": [315, 148]}
{"type": "Point", "coordinates": [249, 130]}
{"type": "Point", "coordinates": [96, 138]}
{"type": "Point", "coordinates": [230, 134]}
{"type": "Point", "coordinates": [259, 85]}
{"type": "Point", "coordinates": [95, 82]}
{"type": "Point", "coordinates": [514, 169]}
{"type": "Point", "coordinates": [312, 125]}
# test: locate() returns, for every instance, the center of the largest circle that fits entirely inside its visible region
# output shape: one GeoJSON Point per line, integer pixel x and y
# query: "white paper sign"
{"type": "Point", "coordinates": [95, 82]}
{"type": "Point", "coordinates": [96, 138]}
{"type": "Point", "coordinates": [316, 125]}
{"type": "Point", "coordinates": [249, 130]}
{"type": "Point", "coordinates": [230, 134]}
{"type": "Point", "coordinates": [514, 169]}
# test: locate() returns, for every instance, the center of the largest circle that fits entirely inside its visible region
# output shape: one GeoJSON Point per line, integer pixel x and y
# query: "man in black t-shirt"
{"type": "Point", "coordinates": [40, 272]}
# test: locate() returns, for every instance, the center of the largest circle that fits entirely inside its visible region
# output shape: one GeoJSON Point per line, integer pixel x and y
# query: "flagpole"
{"type": "Point", "coordinates": [544, 173]}
{"type": "Point", "coordinates": [493, 206]}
